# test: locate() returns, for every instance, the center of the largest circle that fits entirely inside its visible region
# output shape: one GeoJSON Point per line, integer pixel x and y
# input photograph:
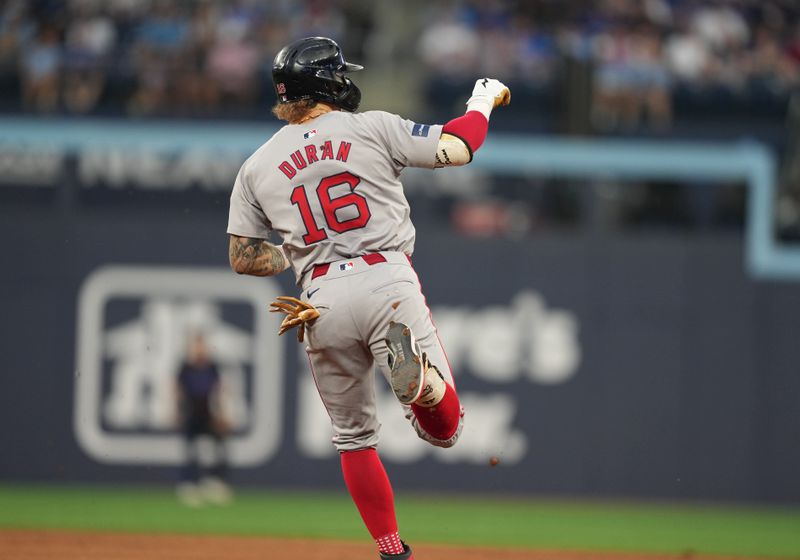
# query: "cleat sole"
{"type": "Point", "coordinates": [406, 366]}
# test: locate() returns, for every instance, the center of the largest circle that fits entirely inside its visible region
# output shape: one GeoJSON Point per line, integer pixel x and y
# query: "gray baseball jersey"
{"type": "Point", "coordinates": [331, 188]}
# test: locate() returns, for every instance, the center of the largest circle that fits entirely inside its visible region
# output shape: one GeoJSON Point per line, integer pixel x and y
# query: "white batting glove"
{"type": "Point", "coordinates": [487, 94]}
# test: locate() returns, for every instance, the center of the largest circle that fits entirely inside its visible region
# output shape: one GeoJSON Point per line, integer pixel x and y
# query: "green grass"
{"type": "Point", "coordinates": [737, 531]}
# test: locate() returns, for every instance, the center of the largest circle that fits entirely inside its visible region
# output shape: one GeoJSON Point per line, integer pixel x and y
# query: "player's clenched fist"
{"type": "Point", "coordinates": [491, 90]}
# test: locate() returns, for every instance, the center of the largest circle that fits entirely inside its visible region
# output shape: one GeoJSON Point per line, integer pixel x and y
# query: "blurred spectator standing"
{"type": "Point", "coordinates": [688, 55]}
{"type": "Point", "coordinates": [15, 30]}
{"type": "Point", "coordinates": [632, 80]}
{"type": "Point", "coordinates": [90, 39]}
{"type": "Point", "coordinates": [199, 413]}
{"type": "Point", "coordinates": [450, 47]}
{"type": "Point", "coordinates": [41, 61]}
{"type": "Point", "coordinates": [194, 93]}
{"type": "Point", "coordinates": [233, 60]}
{"type": "Point", "coordinates": [317, 17]}
{"type": "Point", "coordinates": [536, 52]}
{"type": "Point", "coordinates": [161, 42]}
{"type": "Point", "coordinates": [614, 95]}
{"type": "Point", "coordinates": [772, 70]}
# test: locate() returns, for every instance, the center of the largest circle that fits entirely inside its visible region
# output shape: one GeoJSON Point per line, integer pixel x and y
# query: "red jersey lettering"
{"type": "Point", "coordinates": [287, 169]}
{"type": "Point", "coordinates": [344, 151]}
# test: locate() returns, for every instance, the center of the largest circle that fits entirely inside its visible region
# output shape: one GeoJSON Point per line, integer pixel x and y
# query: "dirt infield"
{"type": "Point", "coordinates": [64, 545]}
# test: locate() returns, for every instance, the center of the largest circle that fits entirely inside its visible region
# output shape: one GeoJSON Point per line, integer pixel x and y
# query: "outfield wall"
{"type": "Point", "coordinates": [619, 364]}
{"type": "Point", "coordinates": [648, 366]}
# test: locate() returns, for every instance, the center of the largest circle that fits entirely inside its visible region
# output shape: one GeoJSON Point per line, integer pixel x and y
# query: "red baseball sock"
{"type": "Point", "coordinates": [371, 491]}
{"type": "Point", "coordinates": [440, 421]}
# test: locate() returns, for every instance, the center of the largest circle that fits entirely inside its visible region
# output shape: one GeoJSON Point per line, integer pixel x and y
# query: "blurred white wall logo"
{"type": "Point", "coordinates": [208, 169]}
{"type": "Point", "coordinates": [498, 344]}
{"type": "Point", "coordinates": [145, 353]}
{"type": "Point", "coordinates": [30, 166]}
{"type": "Point", "coordinates": [133, 327]}
{"type": "Point", "coordinates": [505, 343]}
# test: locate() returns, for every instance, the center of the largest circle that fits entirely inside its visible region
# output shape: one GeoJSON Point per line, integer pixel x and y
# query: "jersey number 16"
{"type": "Point", "coordinates": [330, 206]}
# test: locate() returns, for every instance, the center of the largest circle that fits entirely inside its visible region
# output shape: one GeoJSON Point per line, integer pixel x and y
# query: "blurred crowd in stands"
{"type": "Point", "coordinates": [643, 54]}
{"type": "Point", "coordinates": [186, 57]}
{"type": "Point", "coordinates": [205, 57]}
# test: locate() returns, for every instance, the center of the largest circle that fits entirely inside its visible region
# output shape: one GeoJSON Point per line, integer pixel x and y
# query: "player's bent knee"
{"type": "Point", "coordinates": [445, 443]}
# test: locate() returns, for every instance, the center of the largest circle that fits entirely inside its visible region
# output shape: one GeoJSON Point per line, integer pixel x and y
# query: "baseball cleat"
{"type": "Point", "coordinates": [406, 363]}
{"type": "Point", "coordinates": [407, 555]}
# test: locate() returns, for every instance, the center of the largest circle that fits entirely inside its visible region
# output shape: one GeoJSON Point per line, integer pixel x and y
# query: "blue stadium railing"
{"type": "Point", "coordinates": [749, 162]}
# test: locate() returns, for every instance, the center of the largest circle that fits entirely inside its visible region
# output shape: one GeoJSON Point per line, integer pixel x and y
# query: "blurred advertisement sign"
{"type": "Point", "coordinates": [499, 345]}
{"type": "Point", "coordinates": [146, 169]}
{"type": "Point", "coordinates": [118, 168]}
{"type": "Point", "coordinates": [31, 166]}
{"type": "Point", "coordinates": [133, 326]}
{"type": "Point", "coordinates": [114, 153]}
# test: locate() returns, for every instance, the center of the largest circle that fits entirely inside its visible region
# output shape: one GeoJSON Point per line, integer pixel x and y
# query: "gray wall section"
{"type": "Point", "coordinates": [688, 384]}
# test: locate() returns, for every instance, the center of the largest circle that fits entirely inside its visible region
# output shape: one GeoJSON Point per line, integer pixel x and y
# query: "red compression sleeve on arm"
{"type": "Point", "coordinates": [471, 128]}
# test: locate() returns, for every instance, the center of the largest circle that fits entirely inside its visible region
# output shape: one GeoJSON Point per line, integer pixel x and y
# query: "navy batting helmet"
{"type": "Point", "coordinates": [314, 68]}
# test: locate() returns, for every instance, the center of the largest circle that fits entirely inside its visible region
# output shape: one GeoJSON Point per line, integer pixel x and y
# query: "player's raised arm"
{"type": "Point", "coordinates": [461, 137]}
{"type": "Point", "coordinates": [256, 257]}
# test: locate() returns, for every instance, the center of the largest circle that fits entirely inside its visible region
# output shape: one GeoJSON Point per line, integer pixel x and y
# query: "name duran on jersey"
{"type": "Point", "coordinates": [308, 156]}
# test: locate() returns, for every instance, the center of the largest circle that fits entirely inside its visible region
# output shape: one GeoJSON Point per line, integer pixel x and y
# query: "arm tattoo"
{"type": "Point", "coordinates": [255, 257]}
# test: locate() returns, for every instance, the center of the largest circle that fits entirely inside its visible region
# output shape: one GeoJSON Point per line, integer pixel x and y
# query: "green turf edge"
{"type": "Point", "coordinates": [491, 522]}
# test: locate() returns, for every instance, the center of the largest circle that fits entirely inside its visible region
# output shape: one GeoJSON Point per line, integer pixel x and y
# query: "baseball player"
{"type": "Point", "coordinates": [328, 184]}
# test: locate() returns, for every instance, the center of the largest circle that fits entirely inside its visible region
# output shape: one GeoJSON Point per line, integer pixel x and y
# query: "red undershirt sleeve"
{"type": "Point", "coordinates": [471, 128]}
